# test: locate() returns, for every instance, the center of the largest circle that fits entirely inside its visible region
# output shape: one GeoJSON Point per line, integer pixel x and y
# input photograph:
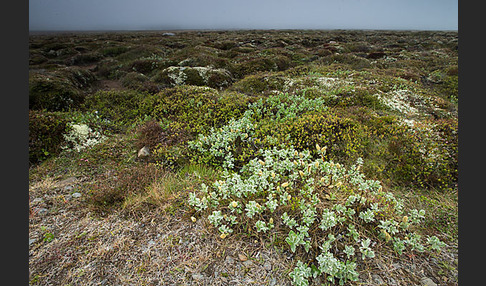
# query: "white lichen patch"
{"type": "Point", "coordinates": [320, 82]}
{"type": "Point", "coordinates": [177, 75]}
{"type": "Point", "coordinates": [403, 101]}
{"type": "Point", "coordinates": [81, 136]}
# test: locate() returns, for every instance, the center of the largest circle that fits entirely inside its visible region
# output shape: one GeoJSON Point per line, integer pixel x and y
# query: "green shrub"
{"type": "Point", "coordinates": [417, 155]}
{"type": "Point", "coordinates": [119, 107]}
{"type": "Point", "coordinates": [46, 130]}
{"type": "Point", "coordinates": [195, 109]}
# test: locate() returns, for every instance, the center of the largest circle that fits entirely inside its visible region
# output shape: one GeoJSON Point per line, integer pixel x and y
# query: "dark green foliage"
{"type": "Point", "coordinates": [81, 78]}
{"type": "Point", "coordinates": [162, 75]}
{"type": "Point", "coordinates": [46, 131]}
{"type": "Point", "coordinates": [114, 51]}
{"type": "Point", "coordinates": [450, 88]}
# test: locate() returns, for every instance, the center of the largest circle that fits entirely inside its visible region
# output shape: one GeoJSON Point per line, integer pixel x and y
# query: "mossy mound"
{"type": "Point", "coordinates": [261, 83]}
{"type": "Point", "coordinates": [46, 131]}
{"type": "Point", "coordinates": [54, 91]}
{"type": "Point", "coordinates": [138, 81]}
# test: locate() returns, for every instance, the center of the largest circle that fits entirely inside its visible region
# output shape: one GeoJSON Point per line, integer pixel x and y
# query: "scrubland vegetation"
{"type": "Point", "coordinates": [274, 158]}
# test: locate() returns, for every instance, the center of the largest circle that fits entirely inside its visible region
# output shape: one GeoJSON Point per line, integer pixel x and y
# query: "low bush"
{"type": "Point", "coordinates": [46, 134]}
{"type": "Point", "coordinates": [330, 216]}
{"type": "Point", "coordinates": [195, 109]}
{"type": "Point", "coordinates": [259, 83]}
{"type": "Point", "coordinates": [394, 151]}
{"type": "Point", "coordinates": [120, 107]}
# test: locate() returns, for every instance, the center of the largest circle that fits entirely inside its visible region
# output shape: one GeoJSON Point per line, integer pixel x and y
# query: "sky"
{"type": "Point", "coordinates": [78, 15]}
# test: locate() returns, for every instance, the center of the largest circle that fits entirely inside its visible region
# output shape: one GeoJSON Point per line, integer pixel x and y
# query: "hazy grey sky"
{"type": "Point", "coordinates": [242, 14]}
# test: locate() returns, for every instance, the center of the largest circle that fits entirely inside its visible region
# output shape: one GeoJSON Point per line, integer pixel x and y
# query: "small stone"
{"type": "Point", "coordinates": [428, 282]}
{"type": "Point", "coordinates": [37, 201]}
{"type": "Point", "coordinates": [248, 263]}
{"type": "Point", "coordinates": [197, 277]}
{"type": "Point", "coordinates": [76, 195]}
{"type": "Point", "coordinates": [43, 211]}
{"type": "Point", "coordinates": [267, 265]}
{"type": "Point", "coordinates": [68, 188]}
{"type": "Point", "coordinates": [242, 257]}
{"type": "Point", "coordinates": [229, 260]}
{"type": "Point", "coordinates": [32, 240]}
{"type": "Point", "coordinates": [144, 152]}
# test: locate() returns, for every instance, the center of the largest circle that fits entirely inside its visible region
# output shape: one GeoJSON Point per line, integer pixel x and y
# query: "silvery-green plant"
{"type": "Point", "coordinates": [300, 274]}
{"type": "Point", "coordinates": [295, 188]}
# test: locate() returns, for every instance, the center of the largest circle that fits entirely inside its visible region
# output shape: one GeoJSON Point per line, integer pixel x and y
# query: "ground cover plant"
{"type": "Point", "coordinates": [241, 157]}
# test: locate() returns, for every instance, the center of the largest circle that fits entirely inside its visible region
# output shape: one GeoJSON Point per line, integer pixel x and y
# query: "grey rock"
{"type": "Point", "coordinates": [76, 195]}
{"type": "Point", "coordinates": [377, 279]}
{"type": "Point", "coordinates": [43, 211]}
{"type": "Point", "coordinates": [267, 265]}
{"type": "Point", "coordinates": [32, 240]}
{"type": "Point", "coordinates": [37, 201]}
{"type": "Point", "coordinates": [68, 188]}
{"type": "Point", "coordinates": [248, 263]}
{"type": "Point", "coordinates": [65, 182]}
{"type": "Point", "coordinates": [427, 282]}
{"type": "Point", "coordinates": [144, 152]}
{"type": "Point", "coordinates": [229, 260]}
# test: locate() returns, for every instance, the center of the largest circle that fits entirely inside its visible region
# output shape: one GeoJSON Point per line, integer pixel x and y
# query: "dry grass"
{"type": "Point", "coordinates": [162, 246]}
